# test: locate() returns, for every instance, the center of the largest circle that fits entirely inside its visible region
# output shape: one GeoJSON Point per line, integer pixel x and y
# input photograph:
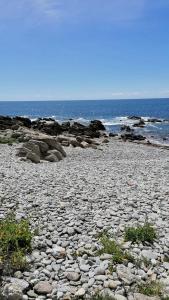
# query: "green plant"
{"type": "Point", "coordinates": [153, 288]}
{"type": "Point", "coordinates": [15, 242]}
{"type": "Point", "coordinates": [110, 247]}
{"type": "Point", "coordinates": [6, 140]}
{"type": "Point", "coordinates": [145, 233]}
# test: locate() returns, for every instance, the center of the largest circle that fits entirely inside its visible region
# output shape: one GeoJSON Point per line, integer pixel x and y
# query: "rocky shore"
{"type": "Point", "coordinates": [71, 202]}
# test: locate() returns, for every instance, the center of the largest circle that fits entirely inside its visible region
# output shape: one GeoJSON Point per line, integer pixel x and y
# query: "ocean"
{"type": "Point", "coordinates": [113, 113]}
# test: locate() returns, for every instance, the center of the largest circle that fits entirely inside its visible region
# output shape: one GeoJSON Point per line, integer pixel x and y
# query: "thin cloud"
{"type": "Point", "coordinates": [71, 10]}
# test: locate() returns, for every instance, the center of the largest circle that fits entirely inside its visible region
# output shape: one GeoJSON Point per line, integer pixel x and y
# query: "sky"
{"type": "Point", "coordinates": [84, 49]}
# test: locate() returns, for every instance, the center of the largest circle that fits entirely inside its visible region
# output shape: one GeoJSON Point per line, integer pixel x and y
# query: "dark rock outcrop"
{"type": "Point", "coordinates": [92, 130]}
{"type": "Point", "coordinates": [13, 123]}
{"type": "Point", "coordinates": [154, 120]}
{"type": "Point", "coordinates": [126, 128]}
{"type": "Point", "coordinates": [141, 123]}
{"type": "Point", "coordinates": [132, 137]}
{"type": "Point", "coordinates": [48, 126]}
{"type": "Point", "coordinates": [134, 118]}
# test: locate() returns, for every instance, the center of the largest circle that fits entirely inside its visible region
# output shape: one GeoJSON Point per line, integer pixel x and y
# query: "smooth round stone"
{"type": "Point", "coordinates": [43, 287]}
{"type": "Point", "coordinates": [80, 293]}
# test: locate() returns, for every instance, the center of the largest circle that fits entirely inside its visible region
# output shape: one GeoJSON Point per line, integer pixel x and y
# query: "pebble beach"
{"type": "Point", "coordinates": [70, 202]}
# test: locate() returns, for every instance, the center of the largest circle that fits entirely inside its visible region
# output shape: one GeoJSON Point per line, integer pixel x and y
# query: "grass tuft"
{"type": "Point", "coordinates": [15, 242]}
{"type": "Point", "coordinates": [153, 288]}
{"type": "Point", "coordinates": [109, 246]}
{"type": "Point", "coordinates": [145, 233]}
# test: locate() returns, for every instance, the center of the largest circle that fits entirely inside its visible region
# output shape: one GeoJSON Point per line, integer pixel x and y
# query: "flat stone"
{"type": "Point", "coordinates": [112, 284]}
{"type": "Point", "coordinates": [149, 254]}
{"type": "Point", "coordinates": [73, 276]}
{"type": "Point", "coordinates": [43, 288]}
{"type": "Point", "coordinates": [81, 292]}
{"type": "Point", "coordinates": [22, 284]}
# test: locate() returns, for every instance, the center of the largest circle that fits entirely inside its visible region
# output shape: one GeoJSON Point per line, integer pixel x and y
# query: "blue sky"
{"type": "Point", "coordinates": [84, 49]}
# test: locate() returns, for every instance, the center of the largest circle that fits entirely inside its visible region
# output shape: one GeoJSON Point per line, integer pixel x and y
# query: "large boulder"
{"type": "Point", "coordinates": [33, 157]}
{"type": "Point", "coordinates": [96, 125]}
{"type": "Point", "coordinates": [12, 291]}
{"type": "Point", "coordinates": [42, 147]}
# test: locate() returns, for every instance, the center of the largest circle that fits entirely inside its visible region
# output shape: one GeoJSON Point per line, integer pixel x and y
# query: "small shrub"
{"type": "Point", "coordinates": [153, 288]}
{"type": "Point", "coordinates": [15, 242]}
{"type": "Point", "coordinates": [110, 247]}
{"type": "Point", "coordinates": [145, 233]}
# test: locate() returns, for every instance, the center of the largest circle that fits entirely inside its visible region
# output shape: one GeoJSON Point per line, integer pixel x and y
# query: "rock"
{"type": "Point", "coordinates": [75, 143]}
{"type": "Point", "coordinates": [65, 143]}
{"type": "Point", "coordinates": [48, 126]}
{"type": "Point", "coordinates": [119, 297]}
{"type": "Point", "coordinates": [126, 128]}
{"type": "Point", "coordinates": [21, 283]}
{"type": "Point", "coordinates": [84, 268]}
{"type": "Point", "coordinates": [53, 144]}
{"type": "Point", "coordinates": [73, 276]}
{"type": "Point", "coordinates": [97, 125]}
{"type": "Point", "coordinates": [33, 157]}
{"type": "Point", "coordinates": [33, 147]}
{"type": "Point", "coordinates": [13, 123]}
{"type": "Point", "coordinates": [141, 123]}
{"type": "Point", "coordinates": [51, 158]}
{"type": "Point", "coordinates": [58, 252]}
{"type": "Point", "coordinates": [134, 118]}
{"type": "Point", "coordinates": [125, 274]}
{"type": "Point", "coordinates": [56, 153]}
{"type": "Point", "coordinates": [99, 271]}
{"type": "Point", "coordinates": [154, 120]}
{"type": "Point", "coordinates": [111, 134]}
{"type": "Point", "coordinates": [42, 145]}
{"type": "Point", "coordinates": [132, 137]}
{"type": "Point", "coordinates": [22, 151]}
{"type": "Point", "coordinates": [80, 293]}
{"type": "Point", "coordinates": [77, 129]}
{"type": "Point", "coordinates": [112, 284]}
{"type": "Point", "coordinates": [138, 296]}
{"type": "Point", "coordinates": [166, 265]}
{"type": "Point", "coordinates": [26, 122]}
{"type": "Point", "coordinates": [43, 288]}
{"type": "Point", "coordinates": [42, 148]}
{"type": "Point", "coordinates": [105, 141]}
{"type": "Point", "coordinates": [149, 254]}
{"type": "Point", "coordinates": [12, 292]}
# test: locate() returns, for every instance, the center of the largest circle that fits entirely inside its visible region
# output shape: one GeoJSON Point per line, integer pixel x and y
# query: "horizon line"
{"type": "Point", "coordinates": [102, 99]}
